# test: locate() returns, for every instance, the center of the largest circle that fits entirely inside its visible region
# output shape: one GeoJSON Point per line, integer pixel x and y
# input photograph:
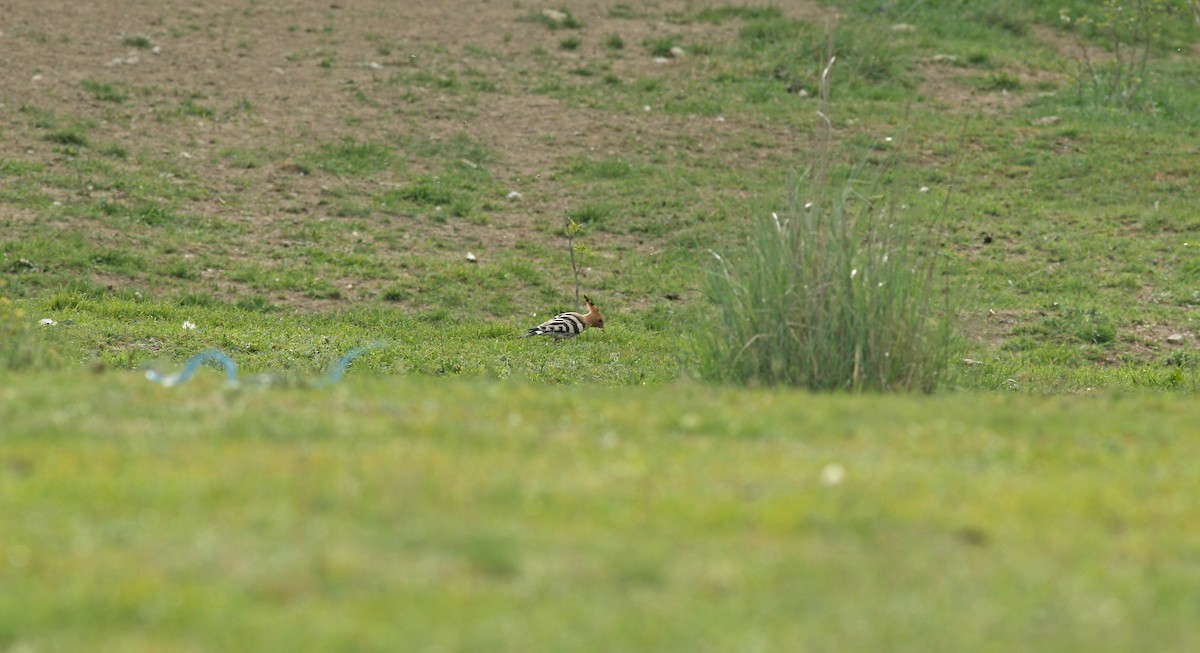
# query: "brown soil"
{"type": "Point", "coordinates": [226, 54]}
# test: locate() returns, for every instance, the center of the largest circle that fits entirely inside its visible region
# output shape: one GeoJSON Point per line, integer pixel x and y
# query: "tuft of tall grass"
{"type": "Point", "coordinates": [835, 295]}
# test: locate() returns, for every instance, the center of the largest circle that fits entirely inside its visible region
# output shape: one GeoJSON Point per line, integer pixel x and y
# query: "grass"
{"type": "Point", "coordinates": [554, 19]}
{"type": "Point", "coordinates": [466, 489]}
{"type": "Point", "coordinates": [509, 508]}
{"type": "Point", "coordinates": [138, 41]}
{"type": "Point", "coordinates": [105, 92]}
{"type": "Point", "coordinates": [833, 295]}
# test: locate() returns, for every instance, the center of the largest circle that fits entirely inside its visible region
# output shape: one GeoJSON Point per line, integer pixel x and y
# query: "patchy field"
{"type": "Point", "coordinates": [289, 181]}
{"type": "Point", "coordinates": [325, 156]}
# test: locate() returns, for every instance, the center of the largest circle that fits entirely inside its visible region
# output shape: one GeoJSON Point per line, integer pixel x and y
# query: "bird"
{"type": "Point", "coordinates": [569, 325]}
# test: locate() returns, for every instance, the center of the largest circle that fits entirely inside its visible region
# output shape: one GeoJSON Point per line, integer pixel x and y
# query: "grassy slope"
{"type": "Point", "coordinates": [400, 509]}
{"type": "Point", "coordinates": [1068, 220]}
{"type": "Point", "coordinates": [385, 514]}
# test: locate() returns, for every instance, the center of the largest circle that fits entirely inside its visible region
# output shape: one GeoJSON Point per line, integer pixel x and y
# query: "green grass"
{"type": "Point", "coordinates": [141, 42]}
{"type": "Point", "coordinates": [676, 518]}
{"type": "Point", "coordinates": [105, 92]}
{"type": "Point", "coordinates": [466, 489]}
{"type": "Point", "coordinates": [554, 19]}
{"type": "Point", "coordinates": [834, 294]}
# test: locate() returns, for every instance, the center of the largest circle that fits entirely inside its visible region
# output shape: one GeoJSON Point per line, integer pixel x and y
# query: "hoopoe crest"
{"type": "Point", "coordinates": [569, 325]}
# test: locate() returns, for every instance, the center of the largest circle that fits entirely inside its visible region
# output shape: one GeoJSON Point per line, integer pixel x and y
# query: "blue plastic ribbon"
{"type": "Point", "coordinates": [194, 364]}
{"type": "Point", "coordinates": [333, 376]}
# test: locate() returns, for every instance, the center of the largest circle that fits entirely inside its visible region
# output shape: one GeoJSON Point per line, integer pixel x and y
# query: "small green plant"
{"type": "Point", "coordinates": [115, 150]}
{"type": "Point", "coordinates": [105, 92]}
{"type": "Point", "coordinates": [189, 107]}
{"type": "Point", "coordinates": [428, 192]}
{"type": "Point", "coordinates": [352, 158]}
{"type": "Point", "coordinates": [661, 46]}
{"type": "Point", "coordinates": [141, 42]}
{"type": "Point", "coordinates": [590, 213]}
{"type": "Point", "coordinates": [614, 42]}
{"type": "Point", "coordinates": [612, 168]}
{"type": "Point", "coordinates": [575, 250]}
{"type": "Point", "coordinates": [570, 43]}
{"type": "Point", "coordinates": [154, 215]}
{"type": "Point", "coordinates": [70, 136]}
{"type": "Point", "coordinates": [1000, 82]}
{"type": "Point", "coordinates": [554, 18]}
{"type": "Point", "coordinates": [1130, 31]}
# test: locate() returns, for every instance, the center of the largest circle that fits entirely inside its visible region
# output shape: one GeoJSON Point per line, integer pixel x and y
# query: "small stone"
{"type": "Point", "coordinates": [662, 60]}
{"type": "Point", "coordinates": [47, 322]}
{"type": "Point", "coordinates": [971, 361]}
{"type": "Point", "coordinates": [514, 195]}
{"type": "Point", "coordinates": [720, 118]}
{"type": "Point", "coordinates": [904, 27]}
{"type": "Point", "coordinates": [678, 52]}
{"type": "Point", "coordinates": [1175, 339]}
{"type": "Point", "coordinates": [833, 474]}
{"type": "Point", "coordinates": [375, 65]}
{"type": "Point", "coordinates": [944, 59]}
{"type": "Point", "coordinates": [471, 258]}
{"type": "Point", "coordinates": [923, 189]}
{"type": "Point", "coordinates": [1047, 120]}
{"type": "Point", "coordinates": [555, 15]}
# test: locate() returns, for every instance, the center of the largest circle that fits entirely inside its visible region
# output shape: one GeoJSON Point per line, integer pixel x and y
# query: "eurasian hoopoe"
{"type": "Point", "coordinates": [569, 325]}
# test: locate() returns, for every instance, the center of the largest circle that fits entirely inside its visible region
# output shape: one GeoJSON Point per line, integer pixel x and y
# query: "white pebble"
{"type": "Point", "coordinates": [833, 474]}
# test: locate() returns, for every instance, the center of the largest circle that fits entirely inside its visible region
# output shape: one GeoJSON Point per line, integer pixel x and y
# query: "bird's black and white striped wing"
{"type": "Point", "coordinates": [563, 325]}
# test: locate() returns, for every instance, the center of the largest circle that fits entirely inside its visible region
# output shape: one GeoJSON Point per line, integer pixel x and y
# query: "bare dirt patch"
{"type": "Point", "coordinates": [206, 83]}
